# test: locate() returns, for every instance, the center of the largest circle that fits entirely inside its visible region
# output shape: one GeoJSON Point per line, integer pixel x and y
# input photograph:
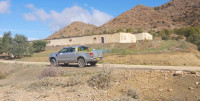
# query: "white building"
{"type": "Point", "coordinates": [143, 36]}
{"type": "Point", "coordinates": [94, 39]}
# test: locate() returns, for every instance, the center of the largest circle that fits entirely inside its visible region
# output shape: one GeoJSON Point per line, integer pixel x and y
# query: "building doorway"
{"type": "Point", "coordinates": [102, 39]}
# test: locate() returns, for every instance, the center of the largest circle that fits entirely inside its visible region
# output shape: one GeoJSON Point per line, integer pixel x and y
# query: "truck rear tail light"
{"type": "Point", "coordinates": [91, 55]}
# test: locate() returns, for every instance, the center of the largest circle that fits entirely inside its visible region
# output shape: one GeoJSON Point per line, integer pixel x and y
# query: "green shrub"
{"type": "Point", "coordinates": [7, 43]}
{"type": "Point", "coordinates": [192, 34]}
{"type": "Point", "coordinates": [17, 46]}
{"type": "Point", "coordinates": [165, 37]}
{"type": "Point", "coordinates": [129, 30]}
{"type": "Point", "coordinates": [140, 30]}
{"type": "Point", "coordinates": [20, 46]}
{"type": "Point", "coordinates": [39, 45]}
{"type": "Point", "coordinates": [120, 30]}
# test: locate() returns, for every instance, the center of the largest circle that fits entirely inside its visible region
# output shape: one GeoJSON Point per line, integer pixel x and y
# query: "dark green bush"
{"type": "Point", "coordinates": [120, 30]}
{"type": "Point", "coordinates": [192, 34]}
{"type": "Point", "coordinates": [129, 30]}
{"type": "Point", "coordinates": [39, 45]}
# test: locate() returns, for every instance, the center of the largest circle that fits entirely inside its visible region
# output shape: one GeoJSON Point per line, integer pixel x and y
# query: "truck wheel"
{"type": "Point", "coordinates": [53, 62]}
{"type": "Point", "coordinates": [93, 63]}
{"type": "Point", "coordinates": [81, 62]}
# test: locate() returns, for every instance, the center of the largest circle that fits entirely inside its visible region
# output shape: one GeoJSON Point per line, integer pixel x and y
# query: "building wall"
{"type": "Point", "coordinates": [127, 38]}
{"type": "Point", "coordinates": [95, 39]}
{"type": "Point", "coordinates": [143, 36]}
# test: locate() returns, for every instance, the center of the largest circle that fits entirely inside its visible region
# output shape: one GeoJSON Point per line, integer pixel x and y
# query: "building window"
{"type": "Point", "coordinates": [49, 42]}
{"type": "Point", "coordinates": [95, 38]}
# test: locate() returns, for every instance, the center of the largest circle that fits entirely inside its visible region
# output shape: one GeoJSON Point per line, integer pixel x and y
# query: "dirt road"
{"type": "Point", "coordinates": [121, 66]}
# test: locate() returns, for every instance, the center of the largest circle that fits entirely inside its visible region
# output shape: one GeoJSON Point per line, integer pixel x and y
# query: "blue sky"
{"type": "Point", "coordinates": [37, 19]}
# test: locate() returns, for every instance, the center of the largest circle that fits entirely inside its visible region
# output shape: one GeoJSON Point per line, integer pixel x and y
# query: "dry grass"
{"type": "Point", "coordinates": [156, 52]}
{"type": "Point", "coordinates": [50, 82]}
{"type": "Point", "coordinates": [7, 69]}
{"type": "Point", "coordinates": [101, 80]}
{"type": "Point", "coordinates": [132, 93]}
{"type": "Point", "coordinates": [2, 73]}
{"type": "Point", "coordinates": [124, 98]}
{"type": "Point", "coordinates": [168, 59]}
{"type": "Point", "coordinates": [51, 72]}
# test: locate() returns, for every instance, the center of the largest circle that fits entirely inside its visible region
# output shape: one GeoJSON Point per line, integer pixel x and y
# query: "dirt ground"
{"type": "Point", "coordinates": [22, 83]}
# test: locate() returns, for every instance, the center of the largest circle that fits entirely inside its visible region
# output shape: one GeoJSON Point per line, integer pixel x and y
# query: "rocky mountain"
{"type": "Point", "coordinates": [75, 29]}
{"type": "Point", "coordinates": [174, 14]}
{"type": "Point", "coordinates": [182, 12]}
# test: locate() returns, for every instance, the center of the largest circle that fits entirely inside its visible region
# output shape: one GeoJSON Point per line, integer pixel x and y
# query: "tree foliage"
{"type": "Point", "coordinates": [165, 34]}
{"type": "Point", "coordinates": [120, 30]}
{"type": "Point", "coordinates": [140, 30]}
{"type": "Point", "coordinates": [17, 46]}
{"type": "Point", "coordinates": [20, 46]}
{"type": "Point", "coordinates": [129, 30]}
{"type": "Point", "coordinates": [7, 43]}
{"type": "Point", "coordinates": [39, 45]}
{"type": "Point", "coordinates": [192, 34]}
{"type": "Point", "coordinates": [1, 46]}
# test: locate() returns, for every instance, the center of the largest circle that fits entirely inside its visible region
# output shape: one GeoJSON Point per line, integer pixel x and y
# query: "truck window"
{"type": "Point", "coordinates": [71, 49]}
{"type": "Point", "coordinates": [64, 50]}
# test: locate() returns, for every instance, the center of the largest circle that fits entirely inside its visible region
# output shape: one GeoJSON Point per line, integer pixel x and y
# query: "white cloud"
{"type": "Point", "coordinates": [30, 6]}
{"type": "Point", "coordinates": [30, 17]}
{"type": "Point", "coordinates": [4, 6]}
{"type": "Point", "coordinates": [57, 20]}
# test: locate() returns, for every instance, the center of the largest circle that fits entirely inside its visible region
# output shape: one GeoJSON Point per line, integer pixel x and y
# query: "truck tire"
{"type": "Point", "coordinates": [93, 63]}
{"type": "Point", "coordinates": [81, 62]}
{"type": "Point", "coordinates": [53, 62]}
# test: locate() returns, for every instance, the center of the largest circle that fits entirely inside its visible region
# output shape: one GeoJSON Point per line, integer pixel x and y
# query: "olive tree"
{"type": "Point", "coordinates": [6, 43]}
{"type": "Point", "coordinates": [39, 45]}
{"type": "Point", "coordinates": [20, 46]}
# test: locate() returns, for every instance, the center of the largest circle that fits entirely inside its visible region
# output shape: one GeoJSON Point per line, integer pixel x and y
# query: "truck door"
{"type": "Point", "coordinates": [71, 54]}
{"type": "Point", "coordinates": [61, 56]}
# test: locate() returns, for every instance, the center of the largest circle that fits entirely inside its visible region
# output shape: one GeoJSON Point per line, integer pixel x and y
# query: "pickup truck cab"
{"type": "Point", "coordinates": [76, 54]}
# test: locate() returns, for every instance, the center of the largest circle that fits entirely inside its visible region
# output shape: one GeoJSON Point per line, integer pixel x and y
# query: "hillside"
{"type": "Point", "coordinates": [174, 14]}
{"type": "Point", "coordinates": [182, 12]}
{"type": "Point", "coordinates": [138, 17]}
{"type": "Point", "coordinates": [72, 30]}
